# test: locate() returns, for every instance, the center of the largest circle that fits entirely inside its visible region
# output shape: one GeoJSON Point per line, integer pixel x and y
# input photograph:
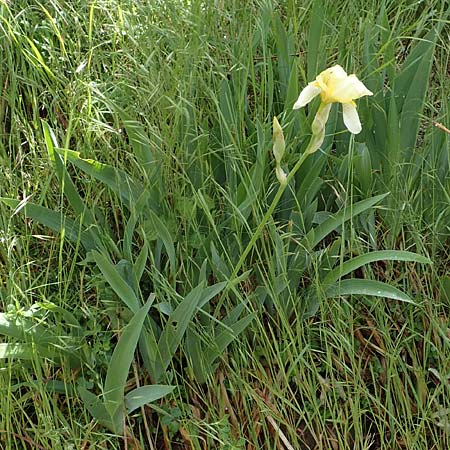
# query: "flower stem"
{"type": "Point", "coordinates": [267, 215]}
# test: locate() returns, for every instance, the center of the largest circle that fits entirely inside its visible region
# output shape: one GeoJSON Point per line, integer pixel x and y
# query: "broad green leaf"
{"type": "Point", "coordinates": [69, 189]}
{"type": "Point", "coordinates": [148, 347]}
{"type": "Point", "coordinates": [27, 330]}
{"type": "Point", "coordinates": [226, 110]}
{"type": "Point", "coordinates": [315, 49]}
{"type": "Point", "coordinates": [140, 142]}
{"type": "Point", "coordinates": [58, 222]}
{"type": "Point", "coordinates": [205, 344]}
{"type": "Point", "coordinates": [98, 410]}
{"type": "Point", "coordinates": [271, 85]}
{"type": "Point", "coordinates": [415, 101]}
{"type": "Point", "coordinates": [250, 187]}
{"type": "Point", "coordinates": [175, 329]}
{"type": "Point", "coordinates": [60, 387]}
{"type": "Point", "coordinates": [120, 363]}
{"type": "Point", "coordinates": [410, 66]}
{"type": "Point", "coordinates": [128, 235]}
{"type": "Point", "coordinates": [163, 233]}
{"type": "Point", "coordinates": [374, 77]}
{"type": "Point", "coordinates": [310, 181]}
{"type": "Point", "coordinates": [149, 159]}
{"type": "Point", "coordinates": [393, 144]}
{"type": "Point", "coordinates": [227, 335]}
{"type": "Point", "coordinates": [374, 135]}
{"type": "Point", "coordinates": [29, 351]}
{"type": "Point", "coordinates": [119, 285]}
{"type": "Point", "coordinates": [387, 42]}
{"type": "Point", "coordinates": [125, 187]}
{"type": "Point", "coordinates": [444, 291]}
{"type": "Point", "coordinates": [140, 263]}
{"type": "Point", "coordinates": [210, 292]}
{"type": "Point", "coordinates": [363, 168]}
{"type": "Point", "coordinates": [359, 261]}
{"type": "Point", "coordinates": [412, 83]}
{"type": "Point", "coordinates": [219, 266]}
{"type": "Point", "coordinates": [234, 314]}
{"type": "Point", "coordinates": [37, 340]}
{"type": "Point", "coordinates": [202, 273]}
{"type": "Point", "coordinates": [146, 394]}
{"type": "Point", "coordinates": [283, 58]}
{"type": "Point", "coordinates": [194, 348]}
{"type": "Point", "coordinates": [11, 328]}
{"type": "Point", "coordinates": [327, 226]}
{"type": "Point", "coordinates": [356, 286]}
{"type": "Point", "coordinates": [18, 351]}
{"type": "Point", "coordinates": [291, 92]}
{"type": "Point", "coordinates": [63, 313]}
{"type": "Point", "coordinates": [329, 257]}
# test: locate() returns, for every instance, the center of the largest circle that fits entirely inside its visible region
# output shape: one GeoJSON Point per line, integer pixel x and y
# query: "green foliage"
{"type": "Point", "coordinates": [156, 282]}
{"type": "Point", "coordinates": [108, 409]}
{"type": "Point", "coordinates": [40, 337]}
{"type": "Point", "coordinates": [400, 110]}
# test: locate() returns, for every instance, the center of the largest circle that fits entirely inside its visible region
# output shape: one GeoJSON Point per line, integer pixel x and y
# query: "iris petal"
{"type": "Point", "coordinates": [351, 118]}
{"type": "Point", "coordinates": [348, 89]}
{"type": "Point", "coordinates": [321, 117]}
{"type": "Point", "coordinates": [336, 72]}
{"type": "Point", "coordinates": [306, 96]}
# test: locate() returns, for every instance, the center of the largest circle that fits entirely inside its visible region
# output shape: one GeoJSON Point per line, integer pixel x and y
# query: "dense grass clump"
{"type": "Point", "coordinates": [158, 288]}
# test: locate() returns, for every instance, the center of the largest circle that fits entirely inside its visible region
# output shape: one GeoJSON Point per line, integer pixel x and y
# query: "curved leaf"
{"type": "Point", "coordinates": [356, 286]}
{"type": "Point", "coordinates": [330, 224]}
{"type": "Point", "coordinates": [119, 366]}
{"type": "Point", "coordinates": [58, 222]}
{"type": "Point", "coordinates": [96, 407]}
{"type": "Point", "coordinates": [384, 255]}
{"type": "Point", "coordinates": [125, 187]}
{"type": "Point", "coordinates": [146, 394]}
{"type": "Point", "coordinates": [68, 186]}
{"type": "Point", "coordinates": [175, 329]}
{"type": "Point", "coordinates": [115, 280]}
{"type": "Point", "coordinates": [163, 233]}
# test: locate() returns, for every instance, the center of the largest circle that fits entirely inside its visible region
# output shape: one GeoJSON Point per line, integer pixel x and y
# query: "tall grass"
{"type": "Point", "coordinates": [176, 100]}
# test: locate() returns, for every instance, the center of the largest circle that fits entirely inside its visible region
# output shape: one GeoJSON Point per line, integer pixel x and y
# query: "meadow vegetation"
{"type": "Point", "coordinates": [149, 300]}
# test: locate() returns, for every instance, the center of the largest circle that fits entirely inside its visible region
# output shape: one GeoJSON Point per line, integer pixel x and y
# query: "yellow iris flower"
{"type": "Point", "coordinates": [334, 86]}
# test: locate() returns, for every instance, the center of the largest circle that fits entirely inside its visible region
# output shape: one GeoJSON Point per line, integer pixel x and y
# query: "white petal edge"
{"type": "Point", "coordinates": [321, 117]}
{"type": "Point", "coordinates": [351, 118]}
{"type": "Point", "coordinates": [308, 93]}
{"type": "Point", "coordinates": [360, 87]}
